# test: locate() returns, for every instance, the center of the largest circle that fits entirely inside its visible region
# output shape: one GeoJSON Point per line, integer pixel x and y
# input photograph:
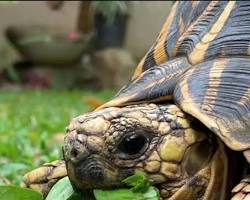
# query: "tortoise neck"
{"type": "Point", "coordinates": [210, 183]}
{"type": "Point", "coordinates": [217, 187]}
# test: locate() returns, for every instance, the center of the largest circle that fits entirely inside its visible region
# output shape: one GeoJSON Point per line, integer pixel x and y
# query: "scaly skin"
{"type": "Point", "coordinates": [43, 178]}
{"type": "Point", "coordinates": [179, 155]}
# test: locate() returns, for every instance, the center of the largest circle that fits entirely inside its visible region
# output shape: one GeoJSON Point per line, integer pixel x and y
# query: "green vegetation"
{"type": "Point", "coordinates": [139, 189]}
{"type": "Point", "coordinates": [17, 193]}
{"type": "Point", "coordinates": [31, 125]}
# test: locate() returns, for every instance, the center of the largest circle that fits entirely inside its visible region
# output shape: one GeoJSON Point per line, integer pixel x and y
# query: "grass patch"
{"type": "Point", "coordinates": [29, 122]}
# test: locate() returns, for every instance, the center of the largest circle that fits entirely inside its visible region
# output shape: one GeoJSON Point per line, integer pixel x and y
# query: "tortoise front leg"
{"type": "Point", "coordinates": [43, 178]}
{"type": "Point", "coordinates": [242, 190]}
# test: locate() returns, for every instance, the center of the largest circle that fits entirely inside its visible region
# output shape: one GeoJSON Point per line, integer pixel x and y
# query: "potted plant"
{"type": "Point", "coordinates": [110, 20]}
{"type": "Point", "coordinates": [107, 19]}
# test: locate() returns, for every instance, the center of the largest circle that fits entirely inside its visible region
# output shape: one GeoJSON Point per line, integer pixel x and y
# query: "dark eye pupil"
{"type": "Point", "coordinates": [132, 144]}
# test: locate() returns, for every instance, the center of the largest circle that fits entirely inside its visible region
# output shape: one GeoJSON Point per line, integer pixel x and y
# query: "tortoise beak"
{"type": "Point", "coordinates": [87, 174]}
{"type": "Point", "coordinates": [86, 164]}
{"type": "Point", "coordinates": [85, 170]}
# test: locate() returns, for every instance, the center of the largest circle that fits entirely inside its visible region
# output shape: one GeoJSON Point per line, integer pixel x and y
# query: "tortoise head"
{"type": "Point", "coordinates": [104, 147]}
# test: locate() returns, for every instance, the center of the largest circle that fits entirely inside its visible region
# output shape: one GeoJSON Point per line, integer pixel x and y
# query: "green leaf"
{"type": "Point", "coordinates": [126, 194]}
{"type": "Point", "coordinates": [18, 193]}
{"type": "Point", "coordinates": [141, 190]}
{"type": "Point", "coordinates": [62, 190]}
{"type": "Point", "coordinates": [118, 194]}
{"type": "Point", "coordinates": [139, 182]}
{"type": "Point", "coordinates": [151, 194]}
{"type": "Point", "coordinates": [76, 197]}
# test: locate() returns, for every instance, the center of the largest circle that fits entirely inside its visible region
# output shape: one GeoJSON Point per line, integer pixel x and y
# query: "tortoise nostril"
{"type": "Point", "coordinates": [75, 148]}
{"type": "Point", "coordinates": [80, 132]}
{"type": "Point", "coordinates": [74, 152]}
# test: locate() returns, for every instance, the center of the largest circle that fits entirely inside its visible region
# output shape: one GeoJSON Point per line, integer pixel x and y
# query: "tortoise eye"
{"type": "Point", "coordinates": [133, 144]}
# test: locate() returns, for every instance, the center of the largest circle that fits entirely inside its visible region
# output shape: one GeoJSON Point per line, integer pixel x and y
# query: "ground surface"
{"type": "Point", "coordinates": [32, 124]}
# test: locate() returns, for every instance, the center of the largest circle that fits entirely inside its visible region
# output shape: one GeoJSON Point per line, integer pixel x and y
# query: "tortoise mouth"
{"type": "Point", "coordinates": [96, 173]}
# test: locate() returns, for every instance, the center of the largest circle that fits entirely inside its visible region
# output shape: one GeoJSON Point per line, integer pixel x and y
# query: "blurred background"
{"type": "Point", "coordinates": [58, 60]}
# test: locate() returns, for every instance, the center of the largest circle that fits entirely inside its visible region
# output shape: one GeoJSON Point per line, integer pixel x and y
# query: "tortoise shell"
{"type": "Point", "coordinates": [200, 60]}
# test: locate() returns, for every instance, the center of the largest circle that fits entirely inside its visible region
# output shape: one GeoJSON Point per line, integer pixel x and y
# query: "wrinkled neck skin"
{"type": "Point", "coordinates": [210, 183]}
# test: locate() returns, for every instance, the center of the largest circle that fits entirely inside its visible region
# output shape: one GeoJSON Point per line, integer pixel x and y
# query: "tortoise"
{"type": "Point", "coordinates": [183, 118]}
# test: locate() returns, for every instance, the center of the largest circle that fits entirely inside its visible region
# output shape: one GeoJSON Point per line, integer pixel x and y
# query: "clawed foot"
{"type": "Point", "coordinates": [242, 190]}
{"type": "Point", "coordinates": [43, 178]}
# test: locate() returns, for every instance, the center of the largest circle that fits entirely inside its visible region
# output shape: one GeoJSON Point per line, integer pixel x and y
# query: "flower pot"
{"type": "Point", "coordinates": [110, 34]}
{"type": "Point", "coordinates": [45, 46]}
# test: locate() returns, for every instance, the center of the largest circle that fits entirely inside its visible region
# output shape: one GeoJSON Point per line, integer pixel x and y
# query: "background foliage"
{"type": "Point", "coordinates": [32, 125]}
